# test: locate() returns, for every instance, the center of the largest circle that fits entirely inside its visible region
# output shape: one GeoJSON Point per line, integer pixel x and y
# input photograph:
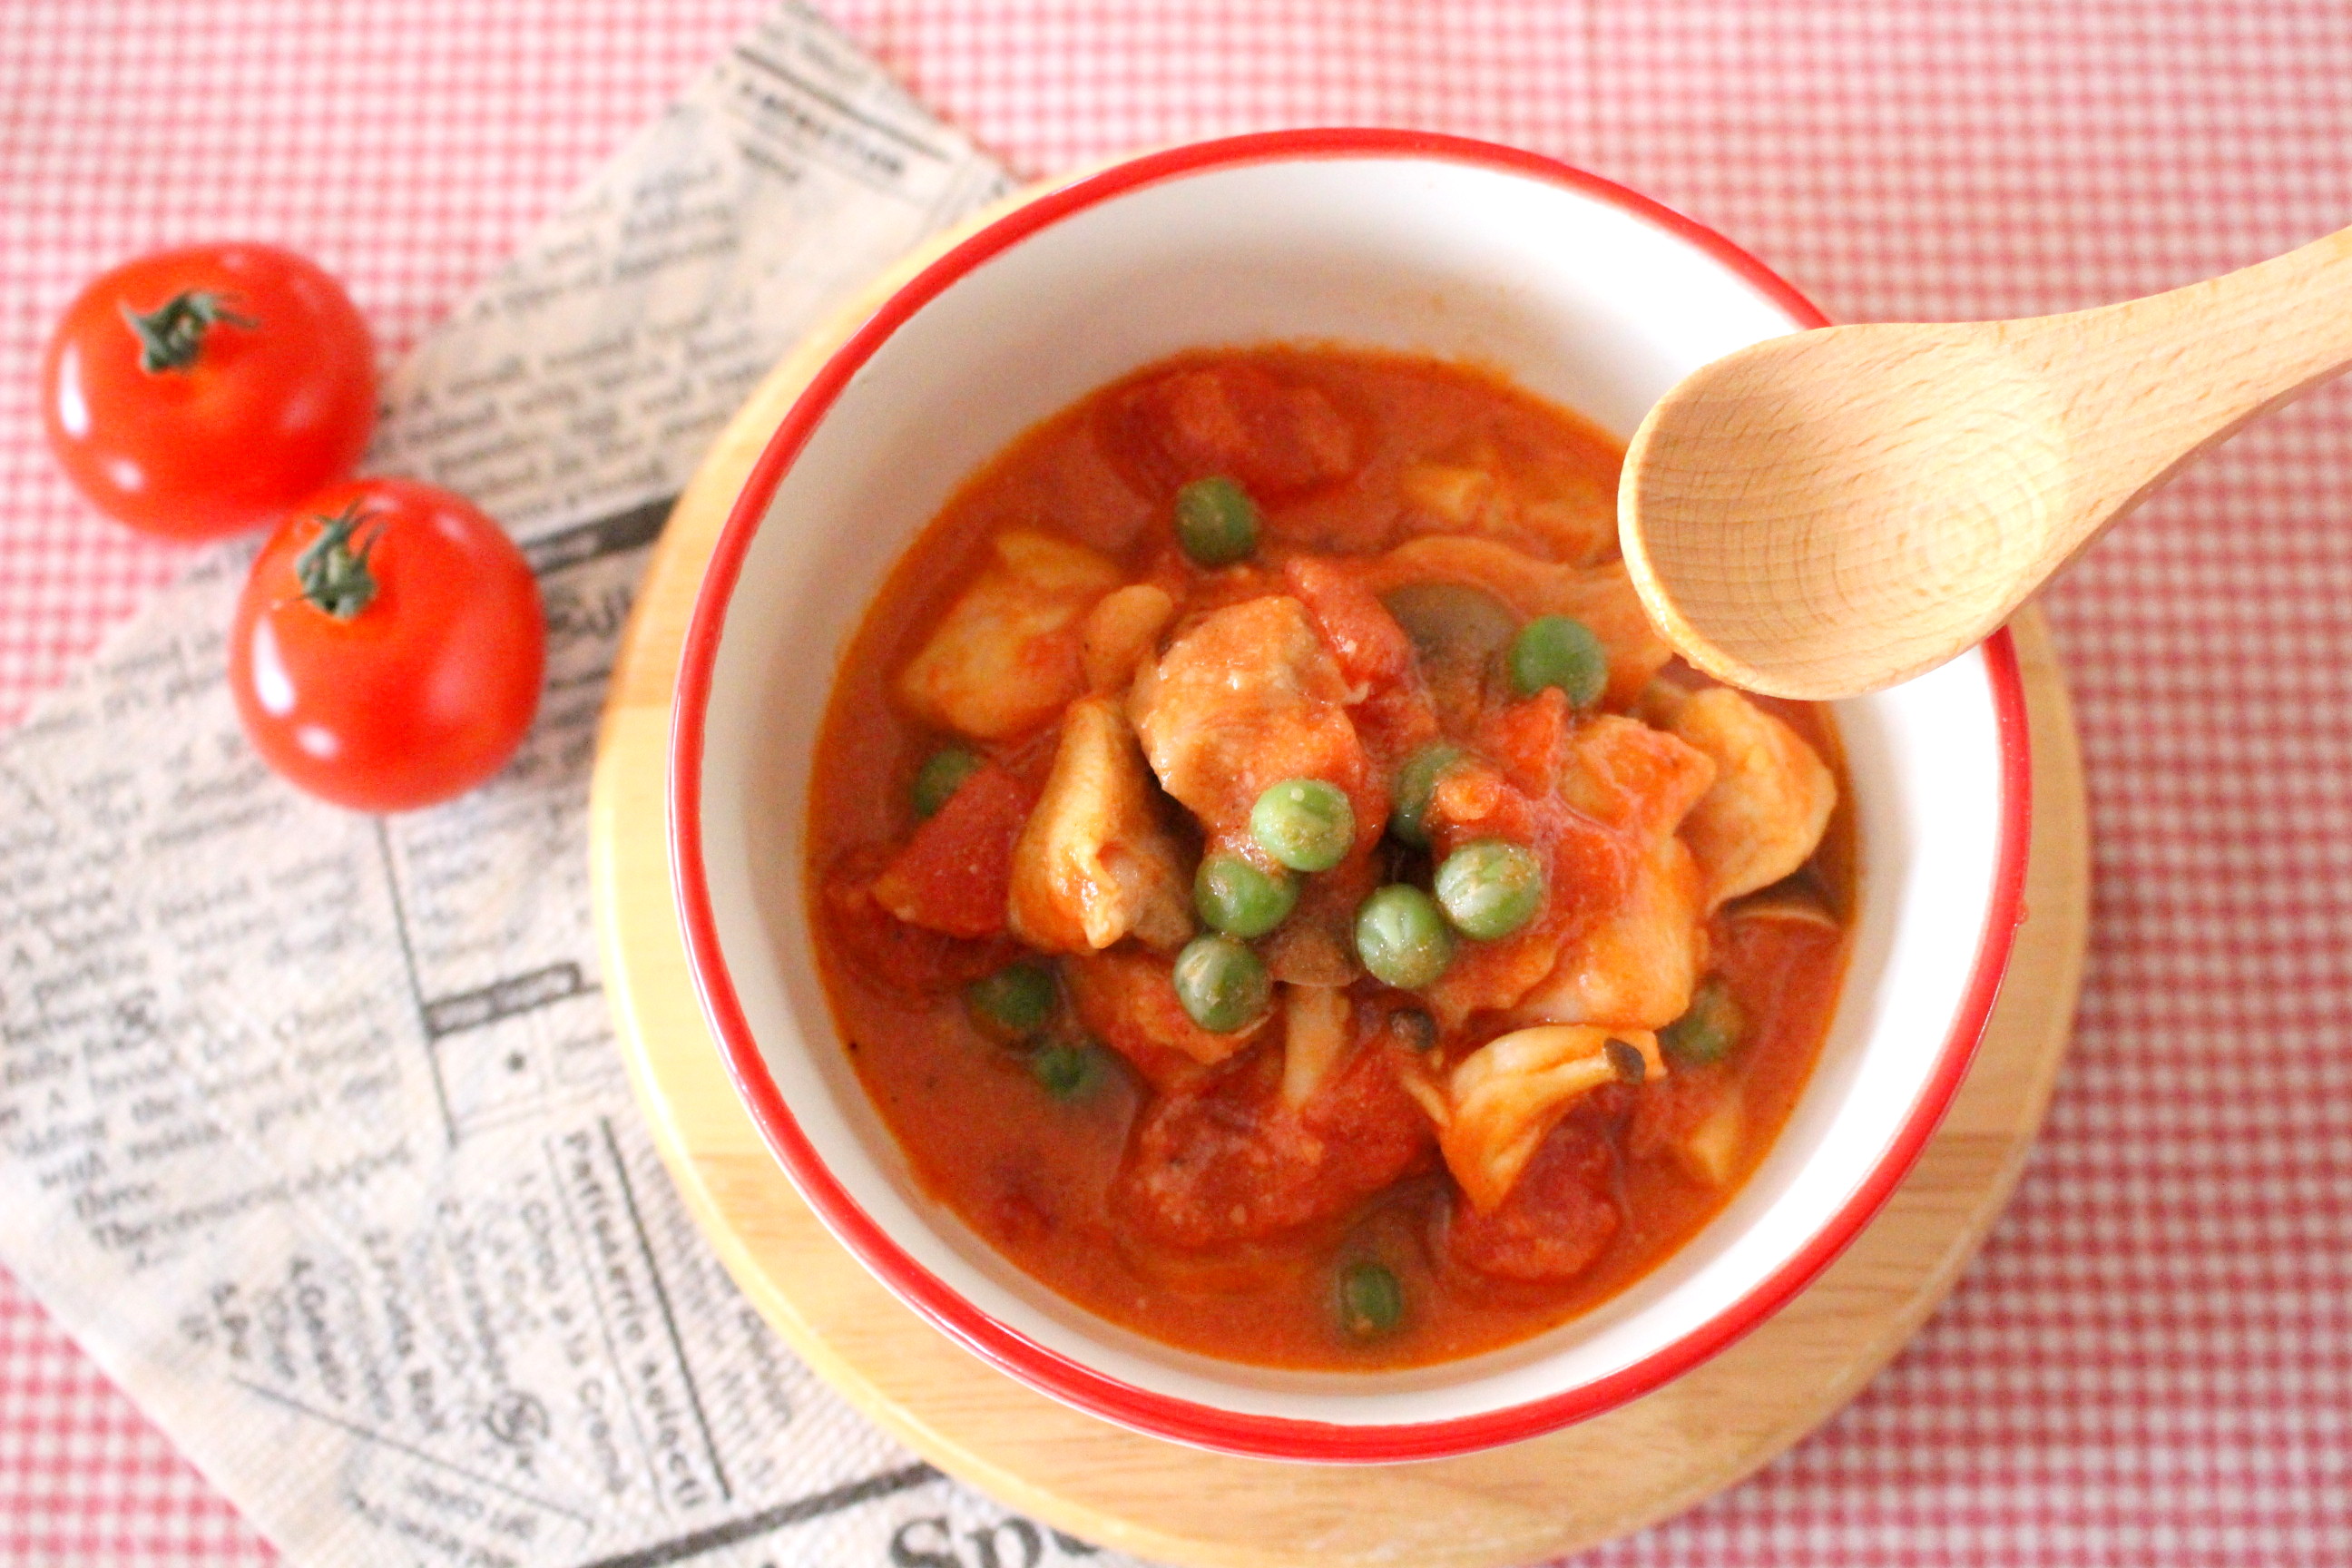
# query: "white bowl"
{"type": "Point", "coordinates": [1579, 290]}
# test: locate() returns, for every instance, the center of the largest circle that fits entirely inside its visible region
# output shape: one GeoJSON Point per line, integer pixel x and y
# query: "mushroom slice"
{"type": "Point", "coordinates": [1770, 801]}
{"type": "Point", "coordinates": [1094, 863]}
{"type": "Point", "coordinates": [1710, 1151]}
{"type": "Point", "coordinates": [1793, 908]}
{"type": "Point", "coordinates": [1503, 1098]}
{"type": "Point", "coordinates": [1315, 1039]}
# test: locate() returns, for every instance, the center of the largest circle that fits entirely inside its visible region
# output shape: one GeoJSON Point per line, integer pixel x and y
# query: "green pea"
{"type": "Point", "coordinates": [1305, 824]}
{"type": "Point", "coordinates": [1415, 782]}
{"type": "Point", "coordinates": [1012, 1003]}
{"type": "Point", "coordinates": [1413, 1029]}
{"type": "Point", "coordinates": [1236, 897]}
{"type": "Point", "coordinates": [1371, 1301]}
{"type": "Point", "coordinates": [1222, 984]}
{"type": "Point", "coordinates": [1490, 888]}
{"type": "Point", "coordinates": [1065, 1071]}
{"type": "Point", "coordinates": [1555, 650]}
{"type": "Point", "coordinates": [941, 774]}
{"type": "Point", "coordinates": [1710, 1029]}
{"type": "Point", "coordinates": [1402, 937]}
{"type": "Point", "coordinates": [1216, 522]}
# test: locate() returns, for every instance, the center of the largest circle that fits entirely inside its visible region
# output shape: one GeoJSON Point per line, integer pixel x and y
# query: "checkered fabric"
{"type": "Point", "coordinates": [2151, 1364]}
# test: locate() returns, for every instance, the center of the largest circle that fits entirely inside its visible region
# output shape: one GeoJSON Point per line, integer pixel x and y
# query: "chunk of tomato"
{"type": "Point", "coordinates": [955, 875]}
{"type": "Point", "coordinates": [1238, 420]}
{"type": "Point", "coordinates": [1558, 1218]}
{"type": "Point", "coordinates": [1229, 1161]}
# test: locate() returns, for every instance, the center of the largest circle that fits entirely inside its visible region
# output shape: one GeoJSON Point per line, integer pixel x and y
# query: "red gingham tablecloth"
{"type": "Point", "coordinates": [2151, 1364]}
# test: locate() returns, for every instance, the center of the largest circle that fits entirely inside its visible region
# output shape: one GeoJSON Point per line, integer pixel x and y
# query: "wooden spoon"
{"type": "Point", "coordinates": [1827, 513]}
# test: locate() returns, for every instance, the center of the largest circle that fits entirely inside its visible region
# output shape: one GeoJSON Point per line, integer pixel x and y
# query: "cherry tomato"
{"type": "Point", "coordinates": [388, 646]}
{"type": "Point", "coordinates": [196, 393]}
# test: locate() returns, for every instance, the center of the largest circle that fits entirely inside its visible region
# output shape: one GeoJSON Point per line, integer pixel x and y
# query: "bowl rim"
{"type": "Point", "coordinates": [1007, 1349]}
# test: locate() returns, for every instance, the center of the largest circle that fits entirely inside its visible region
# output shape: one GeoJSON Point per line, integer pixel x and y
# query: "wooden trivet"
{"type": "Point", "coordinates": [1596, 1481]}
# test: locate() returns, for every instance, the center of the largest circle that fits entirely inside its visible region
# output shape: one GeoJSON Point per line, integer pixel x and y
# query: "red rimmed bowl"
{"type": "Point", "coordinates": [1581, 290]}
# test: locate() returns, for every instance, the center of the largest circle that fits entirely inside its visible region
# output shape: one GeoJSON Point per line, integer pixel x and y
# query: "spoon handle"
{"type": "Point", "coordinates": [2152, 382]}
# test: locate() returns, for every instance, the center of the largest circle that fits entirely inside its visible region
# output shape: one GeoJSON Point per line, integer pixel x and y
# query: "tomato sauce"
{"type": "Point", "coordinates": [1627, 1174]}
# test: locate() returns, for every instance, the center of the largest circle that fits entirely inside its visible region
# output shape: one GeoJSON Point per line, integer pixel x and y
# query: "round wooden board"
{"type": "Point", "coordinates": [1594, 1481]}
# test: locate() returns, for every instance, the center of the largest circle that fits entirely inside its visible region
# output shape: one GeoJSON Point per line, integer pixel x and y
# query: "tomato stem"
{"type": "Point", "coordinates": [171, 337]}
{"type": "Point", "coordinates": [335, 577]}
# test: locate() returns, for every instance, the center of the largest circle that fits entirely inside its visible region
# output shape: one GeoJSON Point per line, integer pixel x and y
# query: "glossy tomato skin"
{"type": "Point", "coordinates": [427, 689]}
{"type": "Point", "coordinates": [263, 414]}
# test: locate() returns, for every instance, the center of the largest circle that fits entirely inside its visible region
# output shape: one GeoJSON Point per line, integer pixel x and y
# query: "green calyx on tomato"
{"type": "Point", "coordinates": [335, 577]}
{"type": "Point", "coordinates": [423, 695]}
{"type": "Point", "coordinates": [171, 337]}
{"type": "Point", "coordinates": [268, 399]}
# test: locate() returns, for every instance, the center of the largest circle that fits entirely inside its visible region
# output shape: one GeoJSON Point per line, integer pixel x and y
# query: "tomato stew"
{"type": "Point", "coordinates": [1280, 892]}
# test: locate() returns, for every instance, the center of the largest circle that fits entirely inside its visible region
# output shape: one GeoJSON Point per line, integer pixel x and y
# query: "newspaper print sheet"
{"type": "Point", "coordinates": [312, 1128]}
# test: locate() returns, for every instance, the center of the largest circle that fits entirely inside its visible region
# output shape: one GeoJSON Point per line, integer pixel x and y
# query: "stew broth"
{"type": "Point", "coordinates": [1040, 1153]}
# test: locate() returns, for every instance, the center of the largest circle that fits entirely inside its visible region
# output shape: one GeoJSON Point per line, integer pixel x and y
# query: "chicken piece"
{"type": "Point", "coordinates": [1572, 511]}
{"type": "Point", "coordinates": [1228, 1160]}
{"type": "Point", "coordinates": [1509, 791]}
{"type": "Point", "coordinates": [1236, 420]}
{"type": "Point", "coordinates": [1560, 510]}
{"type": "Point", "coordinates": [1370, 649]}
{"type": "Point", "coordinates": [1626, 948]}
{"type": "Point", "coordinates": [1392, 711]}
{"type": "Point", "coordinates": [1602, 596]}
{"type": "Point", "coordinates": [1244, 698]}
{"type": "Point", "coordinates": [1504, 1096]}
{"type": "Point", "coordinates": [1640, 781]}
{"type": "Point", "coordinates": [1635, 967]}
{"type": "Point", "coordinates": [1127, 997]}
{"type": "Point", "coordinates": [1585, 877]}
{"type": "Point", "coordinates": [1119, 631]}
{"type": "Point", "coordinates": [1006, 655]}
{"type": "Point", "coordinates": [1770, 801]}
{"type": "Point", "coordinates": [1558, 1218]}
{"type": "Point", "coordinates": [1711, 1151]}
{"type": "Point", "coordinates": [1094, 863]}
{"type": "Point", "coordinates": [1457, 495]}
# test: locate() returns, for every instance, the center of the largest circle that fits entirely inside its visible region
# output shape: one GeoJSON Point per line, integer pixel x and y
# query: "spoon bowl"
{"type": "Point", "coordinates": [1827, 513]}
